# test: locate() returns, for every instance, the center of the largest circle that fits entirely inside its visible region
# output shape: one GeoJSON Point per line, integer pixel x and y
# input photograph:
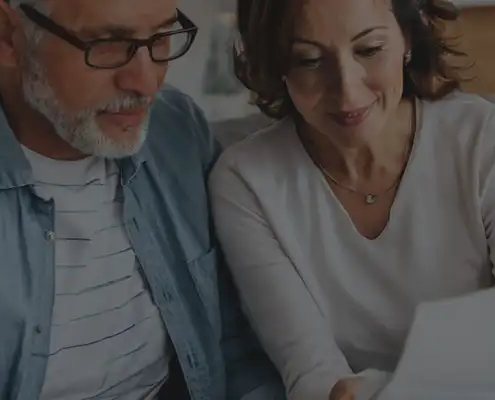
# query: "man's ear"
{"type": "Point", "coordinates": [10, 28]}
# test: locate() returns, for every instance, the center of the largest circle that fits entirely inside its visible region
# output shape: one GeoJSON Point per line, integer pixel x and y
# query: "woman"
{"type": "Point", "coordinates": [375, 191]}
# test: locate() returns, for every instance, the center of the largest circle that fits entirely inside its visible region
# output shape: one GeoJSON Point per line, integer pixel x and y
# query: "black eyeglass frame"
{"type": "Point", "coordinates": [51, 26]}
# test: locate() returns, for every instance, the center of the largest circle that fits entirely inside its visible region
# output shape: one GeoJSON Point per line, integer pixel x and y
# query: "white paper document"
{"type": "Point", "coordinates": [449, 353]}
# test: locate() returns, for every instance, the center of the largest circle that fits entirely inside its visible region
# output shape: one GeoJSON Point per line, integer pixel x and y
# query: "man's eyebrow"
{"type": "Point", "coordinates": [167, 23]}
{"type": "Point", "coordinates": [122, 31]}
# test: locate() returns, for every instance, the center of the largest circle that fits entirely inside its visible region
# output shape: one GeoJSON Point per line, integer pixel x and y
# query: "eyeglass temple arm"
{"type": "Point", "coordinates": [46, 23]}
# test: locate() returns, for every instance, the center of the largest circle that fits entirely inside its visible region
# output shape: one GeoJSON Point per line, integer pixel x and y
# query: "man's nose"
{"type": "Point", "coordinates": [141, 75]}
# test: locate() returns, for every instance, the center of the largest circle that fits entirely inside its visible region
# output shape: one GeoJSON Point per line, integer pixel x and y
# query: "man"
{"type": "Point", "coordinates": [109, 285]}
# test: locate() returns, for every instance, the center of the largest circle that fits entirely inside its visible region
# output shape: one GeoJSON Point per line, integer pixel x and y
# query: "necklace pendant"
{"type": "Point", "coordinates": [371, 199]}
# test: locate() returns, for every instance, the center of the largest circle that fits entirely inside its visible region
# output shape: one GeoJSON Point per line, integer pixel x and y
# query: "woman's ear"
{"type": "Point", "coordinates": [407, 49]}
{"type": "Point", "coordinates": [407, 57]}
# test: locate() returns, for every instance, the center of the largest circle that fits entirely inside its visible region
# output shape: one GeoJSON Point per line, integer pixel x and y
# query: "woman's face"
{"type": "Point", "coordinates": [346, 75]}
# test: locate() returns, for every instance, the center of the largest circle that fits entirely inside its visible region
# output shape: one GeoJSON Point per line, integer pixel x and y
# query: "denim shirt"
{"type": "Point", "coordinates": [165, 199]}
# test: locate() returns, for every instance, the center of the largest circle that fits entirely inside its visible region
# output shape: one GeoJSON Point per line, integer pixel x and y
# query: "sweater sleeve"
{"type": "Point", "coordinates": [486, 179]}
{"type": "Point", "coordinates": [275, 299]}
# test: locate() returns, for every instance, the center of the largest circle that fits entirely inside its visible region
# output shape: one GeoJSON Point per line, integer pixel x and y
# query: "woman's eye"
{"type": "Point", "coordinates": [370, 51]}
{"type": "Point", "coordinates": [306, 62]}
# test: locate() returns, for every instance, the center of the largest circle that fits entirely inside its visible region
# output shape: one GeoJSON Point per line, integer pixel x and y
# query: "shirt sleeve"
{"type": "Point", "coordinates": [281, 310]}
{"type": "Point", "coordinates": [249, 374]}
{"type": "Point", "coordinates": [486, 179]}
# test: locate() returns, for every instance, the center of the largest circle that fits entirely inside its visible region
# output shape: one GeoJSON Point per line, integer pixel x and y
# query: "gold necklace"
{"type": "Point", "coordinates": [369, 198]}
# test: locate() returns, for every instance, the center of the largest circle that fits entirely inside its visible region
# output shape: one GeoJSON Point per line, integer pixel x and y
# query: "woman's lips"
{"type": "Point", "coordinates": [352, 118]}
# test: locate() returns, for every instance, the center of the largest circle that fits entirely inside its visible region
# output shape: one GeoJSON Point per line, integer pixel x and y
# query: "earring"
{"type": "Point", "coordinates": [407, 57]}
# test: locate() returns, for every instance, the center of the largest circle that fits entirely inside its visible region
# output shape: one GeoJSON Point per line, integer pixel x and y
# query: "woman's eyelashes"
{"type": "Point", "coordinates": [369, 52]}
{"type": "Point", "coordinates": [307, 62]}
{"type": "Point", "coordinates": [313, 61]}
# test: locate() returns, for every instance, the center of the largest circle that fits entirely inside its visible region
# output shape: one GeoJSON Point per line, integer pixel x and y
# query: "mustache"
{"type": "Point", "coordinates": [124, 103]}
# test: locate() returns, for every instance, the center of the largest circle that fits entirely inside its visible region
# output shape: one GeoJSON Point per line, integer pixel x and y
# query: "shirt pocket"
{"type": "Point", "coordinates": [205, 275]}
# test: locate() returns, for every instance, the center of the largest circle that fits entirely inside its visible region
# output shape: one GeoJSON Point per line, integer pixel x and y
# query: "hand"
{"type": "Point", "coordinates": [345, 389]}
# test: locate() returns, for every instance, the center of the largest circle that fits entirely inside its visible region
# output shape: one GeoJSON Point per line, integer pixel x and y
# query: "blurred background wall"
{"type": "Point", "coordinates": [204, 69]}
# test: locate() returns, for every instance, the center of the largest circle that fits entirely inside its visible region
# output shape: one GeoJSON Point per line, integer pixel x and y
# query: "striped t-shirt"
{"type": "Point", "coordinates": [107, 337]}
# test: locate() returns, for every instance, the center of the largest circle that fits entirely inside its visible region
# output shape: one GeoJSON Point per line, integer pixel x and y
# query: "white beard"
{"type": "Point", "coordinates": [81, 131]}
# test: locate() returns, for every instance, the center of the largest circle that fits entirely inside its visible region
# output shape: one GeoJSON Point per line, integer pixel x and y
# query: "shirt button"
{"type": "Point", "coordinates": [38, 329]}
{"type": "Point", "coordinates": [50, 236]}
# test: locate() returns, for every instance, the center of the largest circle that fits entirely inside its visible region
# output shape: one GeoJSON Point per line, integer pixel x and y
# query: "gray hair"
{"type": "Point", "coordinates": [33, 32]}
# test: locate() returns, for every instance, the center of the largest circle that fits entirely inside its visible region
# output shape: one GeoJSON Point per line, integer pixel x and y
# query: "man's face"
{"type": "Point", "coordinates": [101, 112]}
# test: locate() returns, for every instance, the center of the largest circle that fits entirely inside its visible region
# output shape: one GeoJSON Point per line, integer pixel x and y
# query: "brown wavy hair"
{"type": "Point", "coordinates": [266, 30]}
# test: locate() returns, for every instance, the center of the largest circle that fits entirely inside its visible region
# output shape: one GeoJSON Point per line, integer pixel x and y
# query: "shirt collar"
{"type": "Point", "coordinates": [15, 170]}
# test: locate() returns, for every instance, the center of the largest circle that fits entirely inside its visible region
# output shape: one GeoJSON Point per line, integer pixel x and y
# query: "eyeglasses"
{"type": "Point", "coordinates": [114, 53]}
